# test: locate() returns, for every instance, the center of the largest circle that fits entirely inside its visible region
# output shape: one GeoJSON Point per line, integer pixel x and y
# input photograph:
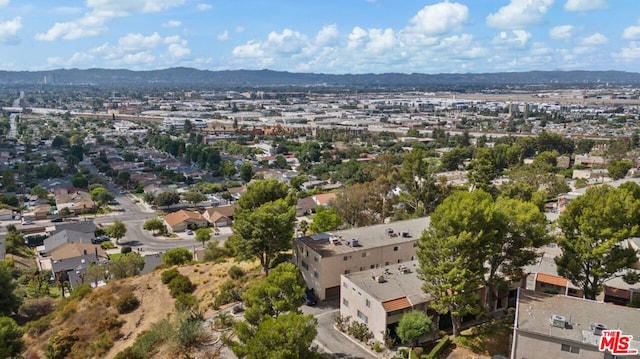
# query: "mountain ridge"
{"type": "Point", "coordinates": [265, 77]}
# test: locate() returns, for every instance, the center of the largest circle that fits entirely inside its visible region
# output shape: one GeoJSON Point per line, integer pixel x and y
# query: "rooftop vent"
{"type": "Point", "coordinates": [380, 279]}
{"type": "Point", "coordinates": [333, 240]}
{"type": "Point", "coordinates": [558, 321]}
{"type": "Point", "coordinates": [598, 328]}
{"type": "Point", "coordinates": [353, 242]}
{"type": "Point", "coordinates": [404, 234]}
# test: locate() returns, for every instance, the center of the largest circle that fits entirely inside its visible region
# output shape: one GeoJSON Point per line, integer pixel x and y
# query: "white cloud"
{"type": "Point", "coordinates": [178, 51]}
{"type": "Point", "coordinates": [356, 37]}
{"type": "Point", "coordinates": [562, 32]}
{"type": "Point", "coordinates": [286, 42]}
{"type": "Point", "coordinates": [172, 23]}
{"type": "Point", "coordinates": [380, 40]}
{"type": "Point", "coordinates": [251, 49]}
{"type": "Point", "coordinates": [439, 18]}
{"type": "Point", "coordinates": [327, 35]}
{"type": "Point", "coordinates": [596, 39]}
{"type": "Point", "coordinates": [137, 42]}
{"type": "Point", "coordinates": [631, 53]}
{"type": "Point", "coordinates": [515, 39]}
{"type": "Point", "coordinates": [519, 14]}
{"type": "Point", "coordinates": [94, 22]}
{"type": "Point", "coordinates": [223, 36]}
{"type": "Point", "coordinates": [204, 7]}
{"type": "Point", "coordinates": [4, 3]}
{"type": "Point", "coordinates": [585, 5]}
{"type": "Point", "coordinates": [140, 58]}
{"type": "Point", "coordinates": [9, 30]}
{"type": "Point", "coordinates": [631, 33]}
{"type": "Point", "coordinates": [239, 28]}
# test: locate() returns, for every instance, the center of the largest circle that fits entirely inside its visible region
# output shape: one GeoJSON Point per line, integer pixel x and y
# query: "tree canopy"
{"type": "Point", "coordinates": [413, 325]}
{"type": "Point", "coordinates": [593, 227]}
{"type": "Point", "coordinates": [263, 222]}
{"type": "Point", "coordinates": [9, 301]}
{"type": "Point", "coordinates": [11, 344]}
{"type": "Point", "coordinates": [116, 230]}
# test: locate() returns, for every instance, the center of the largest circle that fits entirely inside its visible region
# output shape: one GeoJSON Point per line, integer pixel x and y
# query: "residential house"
{"type": "Point", "coordinates": [66, 236]}
{"type": "Point", "coordinates": [181, 220]}
{"type": "Point", "coordinates": [558, 326]}
{"type": "Point", "coordinates": [77, 201]}
{"type": "Point", "coordinates": [237, 192]}
{"type": "Point", "coordinates": [323, 199]}
{"type": "Point", "coordinates": [70, 261]}
{"type": "Point", "coordinates": [6, 214]}
{"type": "Point", "coordinates": [323, 257]}
{"type": "Point", "coordinates": [305, 206]}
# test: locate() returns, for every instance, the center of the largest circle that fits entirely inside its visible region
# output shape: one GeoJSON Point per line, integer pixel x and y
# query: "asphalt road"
{"type": "Point", "coordinates": [134, 215]}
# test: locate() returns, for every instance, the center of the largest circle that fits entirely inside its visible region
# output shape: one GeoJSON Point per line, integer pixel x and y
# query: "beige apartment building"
{"type": "Point", "coordinates": [380, 297]}
{"type": "Point", "coordinates": [324, 257]}
{"type": "Point", "coordinates": [558, 326]}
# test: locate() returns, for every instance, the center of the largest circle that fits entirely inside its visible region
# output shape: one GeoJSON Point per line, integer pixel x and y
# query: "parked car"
{"type": "Point", "coordinates": [189, 232]}
{"type": "Point", "coordinates": [309, 298]}
{"type": "Point", "coordinates": [57, 220]}
{"type": "Point", "coordinates": [26, 223]}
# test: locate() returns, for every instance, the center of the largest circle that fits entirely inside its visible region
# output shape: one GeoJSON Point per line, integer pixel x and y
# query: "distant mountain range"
{"type": "Point", "coordinates": [268, 78]}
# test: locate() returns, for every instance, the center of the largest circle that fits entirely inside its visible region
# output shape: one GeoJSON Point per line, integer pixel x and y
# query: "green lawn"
{"type": "Point", "coordinates": [491, 338]}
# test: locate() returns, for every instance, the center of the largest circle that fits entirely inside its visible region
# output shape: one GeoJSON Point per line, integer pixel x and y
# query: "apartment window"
{"type": "Point", "coordinates": [570, 349]}
{"type": "Point", "coordinates": [345, 285]}
{"type": "Point", "coordinates": [411, 257]}
{"type": "Point", "coordinates": [315, 274]}
{"type": "Point", "coordinates": [365, 254]}
{"type": "Point", "coordinates": [315, 259]}
{"type": "Point", "coordinates": [345, 302]}
{"type": "Point", "coordinates": [395, 249]}
{"type": "Point", "coordinates": [363, 317]}
{"type": "Point", "coordinates": [367, 303]}
{"type": "Point", "coordinates": [386, 263]}
{"type": "Point", "coordinates": [345, 258]}
{"type": "Point", "coordinates": [347, 271]}
{"type": "Point", "coordinates": [304, 265]}
{"type": "Point", "coordinates": [372, 266]}
{"type": "Point", "coordinates": [399, 260]}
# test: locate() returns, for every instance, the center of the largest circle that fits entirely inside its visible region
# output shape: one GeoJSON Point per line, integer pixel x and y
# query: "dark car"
{"type": "Point", "coordinates": [57, 220]}
{"type": "Point", "coordinates": [309, 299]}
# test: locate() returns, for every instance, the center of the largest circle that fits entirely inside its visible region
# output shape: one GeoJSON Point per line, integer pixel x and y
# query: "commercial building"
{"type": "Point", "coordinates": [323, 257]}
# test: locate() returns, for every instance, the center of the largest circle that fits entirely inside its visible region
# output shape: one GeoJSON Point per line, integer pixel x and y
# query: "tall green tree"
{"type": "Point", "coordinates": [594, 226]}
{"type": "Point", "coordinates": [482, 170]}
{"type": "Point", "coordinates": [423, 190]}
{"type": "Point", "coordinates": [288, 336]}
{"type": "Point", "coordinates": [279, 292]}
{"type": "Point", "coordinates": [261, 192]}
{"type": "Point", "coordinates": [116, 230]}
{"type": "Point", "coordinates": [263, 232]}
{"type": "Point", "coordinates": [127, 265]}
{"type": "Point", "coordinates": [412, 326]}
{"type": "Point", "coordinates": [246, 171]}
{"type": "Point", "coordinates": [203, 235]}
{"type": "Point", "coordinates": [39, 192]}
{"type": "Point", "coordinates": [619, 169]}
{"type": "Point", "coordinates": [451, 254]}
{"type": "Point", "coordinates": [11, 344]}
{"type": "Point", "coordinates": [9, 301]}
{"type": "Point", "coordinates": [325, 219]}
{"type": "Point", "coordinates": [101, 195]}
{"type": "Point", "coordinates": [194, 196]}
{"type": "Point", "coordinates": [153, 225]}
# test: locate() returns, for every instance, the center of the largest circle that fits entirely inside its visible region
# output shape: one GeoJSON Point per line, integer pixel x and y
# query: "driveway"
{"type": "Point", "coordinates": [331, 340]}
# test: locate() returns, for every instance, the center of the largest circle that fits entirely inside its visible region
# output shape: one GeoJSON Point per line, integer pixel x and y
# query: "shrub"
{"type": "Point", "coordinates": [359, 331]}
{"type": "Point", "coordinates": [180, 284]}
{"type": "Point", "coordinates": [189, 334]}
{"type": "Point", "coordinates": [417, 352]}
{"type": "Point", "coordinates": [185, 301]}
{"type": "Point", "coordinates": [130, 353]}
{"type": "Point", "coordinates": [107, 245]}
{"type": "Point", "coordinates": [80, 291]}
{"type": "Point", "coordinates": [60, 345]}
{"type": "Point", "coordinates": [36, 308]}
{"type": "Point", "coordinates": [214, 253]}
{"type": "Point", "coordinates": [125, 249]}
{"type": "Point", "coordinates": [35, 328]}
{"type": "Point", "coordinates": [168, 275]}
{"type": "Point", "coordinates": [235, 272]}
{"type": "Point", "coordinates": [177, 256]}
{"type": "Point", "coordinates": [228, 293]}
{"type": "Point", "coordinates": [442, 345]}
{"type": "Point", "coordinates": [127, 303]}
{"type": "Point", "coordinates": [377, 347]}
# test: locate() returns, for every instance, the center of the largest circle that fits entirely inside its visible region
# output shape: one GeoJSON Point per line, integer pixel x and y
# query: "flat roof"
{"type": "Point", "coordinates": [535, 310]}
{"type": "Point", "coordinates": [368, 237]}
{"type": "Point", "coordinates": [400, 281]}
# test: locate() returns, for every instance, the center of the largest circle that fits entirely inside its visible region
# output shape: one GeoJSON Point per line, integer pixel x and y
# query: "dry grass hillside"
{"type": "Point", "coordinates": [91, 327]}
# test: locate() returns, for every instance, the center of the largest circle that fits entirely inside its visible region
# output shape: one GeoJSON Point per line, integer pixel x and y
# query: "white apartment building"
{"type": "Point", "coordinates": [380, 297]}
{"type": "Point", "coordinates": [324, 257]}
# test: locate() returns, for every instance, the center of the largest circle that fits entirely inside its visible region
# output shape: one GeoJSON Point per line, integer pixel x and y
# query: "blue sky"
{"type": "Point", "coordinates": [329, 36]}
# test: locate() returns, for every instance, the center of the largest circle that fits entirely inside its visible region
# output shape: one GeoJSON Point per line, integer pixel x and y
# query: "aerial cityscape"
{"type": "Point", "coordinates": [371, 179]}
